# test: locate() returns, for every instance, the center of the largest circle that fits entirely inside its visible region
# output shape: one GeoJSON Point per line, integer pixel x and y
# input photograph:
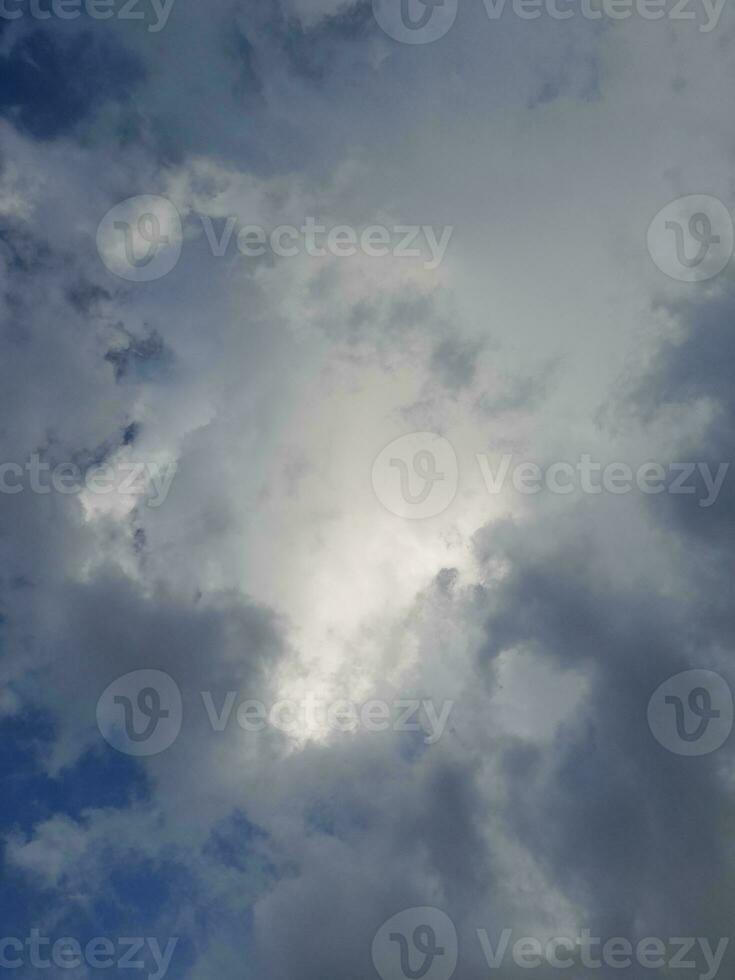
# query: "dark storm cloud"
{"type": "Point", "coordinates": [577, 802]}
{"type": "Point", "coordinates": [317, 51]}
{"type": "Point", "coordinates": [696, 370]}
{"type": "Point", "coordinates": [518, 394]}
{"type": "Point", "coordinates": [697, 365]}
{"type": "Point", "coordinates": [50, 328]}
{"type": "Point", "coordinates": [270, 387]}
{"type": "Point", "coordinates": [414, 828]}
{"type": "Point", "coordinates": [454, 362]}
{"type": "Point", "coordinates": [141, 358]}
{"type": "Point", "coordinates": [627, 829]}
{"type": "Point", "coordinates": [108, 628]}
{"type": "Point", "coordinates": [50, 82]}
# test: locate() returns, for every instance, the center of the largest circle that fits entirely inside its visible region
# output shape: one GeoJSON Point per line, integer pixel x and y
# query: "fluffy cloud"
{"type": "Point", "coordinates": [272, 570]}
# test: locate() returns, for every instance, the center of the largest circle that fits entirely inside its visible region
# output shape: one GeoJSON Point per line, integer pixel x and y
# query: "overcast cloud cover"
{"type": "Point", "coordinates": [277, 557]}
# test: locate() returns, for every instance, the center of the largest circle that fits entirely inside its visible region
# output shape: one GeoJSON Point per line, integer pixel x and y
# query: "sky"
{"type": "Point", "coordinates": [366, 514]}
